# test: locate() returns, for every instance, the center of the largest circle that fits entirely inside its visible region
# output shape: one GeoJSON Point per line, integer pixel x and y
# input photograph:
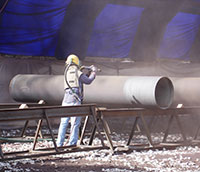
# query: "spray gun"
{"type": "Point", "coordinates": [89, 68]}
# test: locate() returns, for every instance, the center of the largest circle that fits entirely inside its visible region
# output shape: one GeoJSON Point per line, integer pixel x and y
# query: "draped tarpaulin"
{"type": "Point", "coordinates": [97, 28]}
{"type": "Point", "coordinates": [30, 27]}
{"type": "Point", "coordinates": [179, 36]}
{"type": "Point", "coordinates": [114, 30]}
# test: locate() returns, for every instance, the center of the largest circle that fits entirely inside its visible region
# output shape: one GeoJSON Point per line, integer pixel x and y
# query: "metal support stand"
{"type": "Point", "coordinates": [145, 128]}
{"type": "Point", "coordinates": [37, 133]}
{"type": "Point", "coordinates": [45, 113]}
{"type": "Point", "coordinates": [106, 129]}
{"type": "Point", "coordinates": [23, 106]}
{"type": "Point", "coordinates": [107, 133]}
{"type": "Point", "coordinates": [174, 115]}
{"type": "Point", "coordinates": [51, 132]}
{"type": "Point", "coordinates": [132, 131]}
{"type": "Point", "coordinates": [84, 129]}
{"type": "Point", "coordinates": [94, 115]}
{"type": "Point", "coordinates": [1, 152]}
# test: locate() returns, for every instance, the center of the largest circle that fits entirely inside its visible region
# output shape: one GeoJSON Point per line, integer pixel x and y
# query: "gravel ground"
{"type": "Point", "coordinates": [180, 159]}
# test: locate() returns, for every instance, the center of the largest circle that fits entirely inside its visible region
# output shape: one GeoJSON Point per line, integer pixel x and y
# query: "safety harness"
{"type": "Point", "coordinates": [66, 80]}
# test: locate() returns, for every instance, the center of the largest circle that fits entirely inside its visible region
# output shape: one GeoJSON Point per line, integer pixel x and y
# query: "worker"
{"type": "Point", "coordinates": [74, 79]}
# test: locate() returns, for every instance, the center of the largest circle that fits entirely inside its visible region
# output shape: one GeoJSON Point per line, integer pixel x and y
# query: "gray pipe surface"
{"type": "Point", "coordinates": [104, 90]}
{"type": "Point", "coordinates": [186, 91]}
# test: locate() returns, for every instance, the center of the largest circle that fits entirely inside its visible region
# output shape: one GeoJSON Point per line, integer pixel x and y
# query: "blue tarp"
{"type": "Point", "coordinates": [114, 31]}
{"type": "Point", "coordinates": [29, 27]}
{"type": "Point", "coordinates": [179, 36]}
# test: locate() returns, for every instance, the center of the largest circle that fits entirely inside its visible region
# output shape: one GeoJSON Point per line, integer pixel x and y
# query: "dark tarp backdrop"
{"type": "Point", "coordinates": [114, 30]}
{"type": "Point", "coordinates": [31, 27]}
{"type": "Point", "coordinates": [179, 36]}
{"type": "Point", "coordinates": [111, 29]}
{"type": "Point", "coordinates": [74, 35]}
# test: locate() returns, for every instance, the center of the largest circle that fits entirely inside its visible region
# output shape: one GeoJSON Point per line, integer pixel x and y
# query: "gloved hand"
{"type": "Point", "coordinates": [93, 68]}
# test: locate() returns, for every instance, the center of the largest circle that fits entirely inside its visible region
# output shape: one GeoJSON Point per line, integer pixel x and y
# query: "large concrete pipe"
{"type": "Point", "coordinates": [134, 91]}
{"type": "Point", "coordinates": [186, 91]}
{"type": "Point", "coordinates": [105, 90]}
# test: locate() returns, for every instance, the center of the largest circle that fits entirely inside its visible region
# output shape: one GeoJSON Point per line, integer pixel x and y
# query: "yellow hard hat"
{"type": "Point", "coordinates": [72, 59]}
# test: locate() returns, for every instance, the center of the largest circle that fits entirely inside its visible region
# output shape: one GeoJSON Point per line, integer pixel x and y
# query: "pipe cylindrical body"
{"type": "Point", "coordinates": [32, 88]}
{"type": "Point", "coordinates": [186, 91]}
{"type": "Point", "coordinates": [137, 91]}
{"type": "Point", "coordinates": [105, 90]}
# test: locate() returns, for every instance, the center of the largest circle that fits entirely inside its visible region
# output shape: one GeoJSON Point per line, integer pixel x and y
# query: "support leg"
{"type": "Point", "coordinates": [1, 152]}
{"type": "Point", "coordinates": [180, 127]}
{"type": "Point", "coordinates": [93, 133]}
{"type": "Point", "coordinates": [83, 129]}
{"type": "Point", "coordinates": [167, 130]}
{"type": "Point", "coordinates": [24, 128]}
{"type": "Point", "coordinates": [132, 131]}
{"type": "Point", "coordinates": [51, 132]}
{"type": "Point", "coordinates": [94, 115]}
{"type": "Point", "coordinates": [147, 130]}
{"type": "Point", "coordinates": [37, 133]}
{"type": "Point", "coordinates": [106, 130]}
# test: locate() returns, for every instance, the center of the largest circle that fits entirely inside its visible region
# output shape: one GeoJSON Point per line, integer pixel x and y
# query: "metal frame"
{"type": "Point", "coordinates": [97, 115]}
{"type": "Point", "coordinates": [105, 128]}
{"type": "Point", "coordinates": [45, 113]}
{"type": "Point", "coordinates": [140, 113]}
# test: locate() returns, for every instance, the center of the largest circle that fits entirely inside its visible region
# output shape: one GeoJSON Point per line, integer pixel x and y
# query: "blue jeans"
{"type": "Point", "coordinates": [68, 100]}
